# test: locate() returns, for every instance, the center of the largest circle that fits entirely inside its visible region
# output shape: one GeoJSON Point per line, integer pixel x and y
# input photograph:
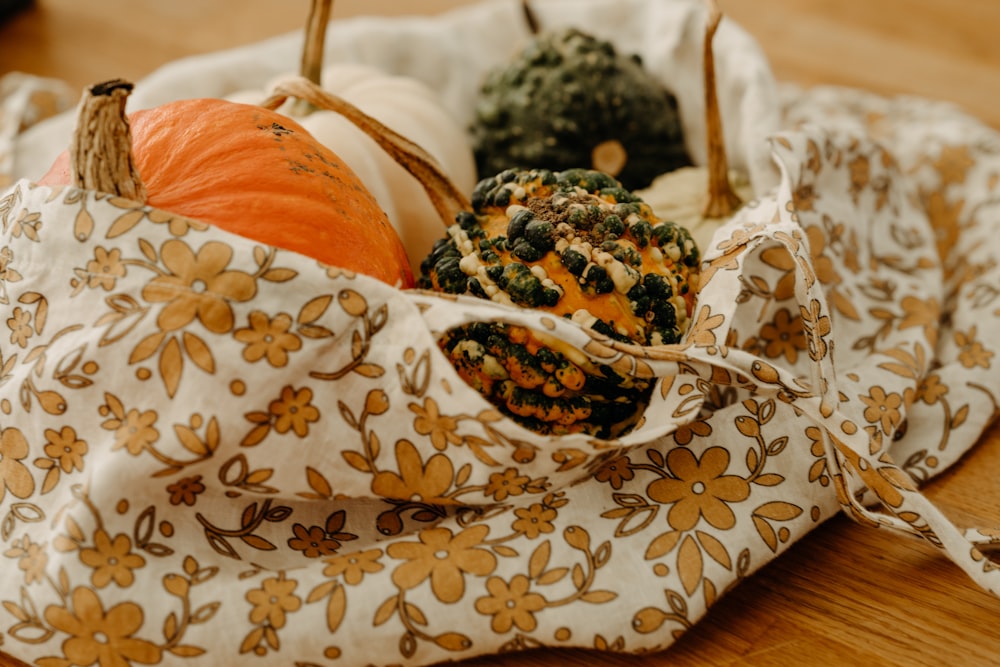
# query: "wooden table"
{"type": "Point", "coordinates": [843, 585]}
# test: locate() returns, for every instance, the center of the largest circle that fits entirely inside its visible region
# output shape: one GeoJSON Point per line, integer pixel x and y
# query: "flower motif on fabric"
{"type": "Point", "coordinates": [699, 489]}
{"type": "Point", "coordinates": [313, 541]}
{"type": "Point", "coordinates": [186, 490]}
{"type": "Point", "coordinates": [353, 567]}
{"type": "Point", "coordinates": [615, 472]}
{"type": "Point", "coordinates": [508, 483]}
{"type": "Point", "coordinates": [64, 452]}
{"type": "Point", "coordinates": [32, 559]}
{"type": "Point", "coordinates": [534, 520]}
{"type": "Point", "coordinates": [972, 352]}
{"type": "Point", "coordinates": [97, 635]}
{"type": "Point", "coordinates": [134, 430]}
{"type": "Point", "coordinates": [20, 327]}
{"type": "Point", "coordinates": [416, 481]}
{"type": "Point", "coordinates": [271, 605]}
{"type": "Point", "coordinates": [268, 338]}
{"type": "Point", "coordinates": [194, 286]}
{"type": "Point", "coordinates": [784, 336]}
{"type": "Point", "coordinates": [703, 496]}
{"type": "Point", "coordinates": [429, 421]}
{"type": "Point", "coordinates": [883, 409]}
{"type": "Point", "coordinates": [105, 269]}
{"type": "Point", "coordinates": [66, 448]}
{"type": "Point", "coordinates": [111, 559]}
{"type": "Point", "coordinates": [293, 411]}
{"type": "Point", "coordinates": [198, 285]}
{"type": "Point", "coordinates": [511, 603]}
{"type": "Point", "coordinates": [317, 541]}
{"type": "Point", "coordinates": [273, 601]}
{"type": "Point", "coordinates": [443, 557]}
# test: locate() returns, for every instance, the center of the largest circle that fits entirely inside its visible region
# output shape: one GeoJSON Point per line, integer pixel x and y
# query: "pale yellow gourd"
{"type": "Point", "coordinates": [405, 105]}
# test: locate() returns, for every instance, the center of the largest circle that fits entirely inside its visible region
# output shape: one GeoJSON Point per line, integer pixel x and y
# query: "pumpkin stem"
{"type": "Point", "coordinates": [447, 199]}
{"type": "Point", "coordinates": [315, 41]}
{"type": "Point", "coordinates": [311, 67]}
{"type": "Point", "coordinates": [100, 152]}
{"type": "Point", "coordinates": [530, 17]}
{"type": "Point", "coordinates": [722, 200]}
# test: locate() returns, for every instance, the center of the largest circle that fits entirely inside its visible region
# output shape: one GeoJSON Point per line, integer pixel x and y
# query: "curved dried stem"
{"type": "Point", "coordinates": [722, 200]}
{"type": "Point", "coordinates": [447, 199]}
{"type": "Point", "coordinates": [313, 48]}
{"type": "Point", "coordinates": [530, 17]}
{"type": "Point", "coordinates": [100, 153]}
{"type": "Point", "coordinates": [315, 40]}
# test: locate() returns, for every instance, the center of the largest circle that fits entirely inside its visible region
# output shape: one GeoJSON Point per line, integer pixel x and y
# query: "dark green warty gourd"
{"type": "Point", "coordinates": [569, 100]}
{"type": "Point", "coordinates": [578, 245]}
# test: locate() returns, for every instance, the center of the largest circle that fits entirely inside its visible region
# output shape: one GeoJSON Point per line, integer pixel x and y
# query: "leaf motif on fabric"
{"type": "Point", "coordinates": [356, 461]}
{"type": "Point", "coordinates": [126, 313]}
{"type": "Point", "coordinates": [385, 611]}
{"type": "Point", "coordinates": [336, 608]}
{"type": "Point", "coordinates": [539, 559]}
{"type": "Point", "coordinates": [147, 347]}
{"type": "Point", "coordinates": [453, 641]}
{"type": "Point", "coordinates": [199, 352]}
{"type": "Point", "coordinates": [171, 366]}
{"type": "Point", "coordinates": [774, 511]}
{"type": "Point", "coordinates": [83, 224]}
{"type": "Point", "coordinates": [319, 484]}
{"type": "Point", "coordinates": [690, 564]}
{"type": "Point", "coordinates": [124, 223]}
{"type": "Point", "coordinates": [663, 544]}
{"type": "Point", "coordinates": [715, 548]}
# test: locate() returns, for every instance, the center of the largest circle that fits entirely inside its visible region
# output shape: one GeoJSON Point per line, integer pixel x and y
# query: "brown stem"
{"type": "Point", "coordinates": [311, 66]}
{"type": "Point", "coordinates": [447, 199]}
{"type": "Point", "coordinates": [722, 200]}
{"type": "Point", "coordinates": [101, 149]}
{"type": "Point", "coordinates": [530, 17]}
{"type": "Point", "coordinates": [312, 50]}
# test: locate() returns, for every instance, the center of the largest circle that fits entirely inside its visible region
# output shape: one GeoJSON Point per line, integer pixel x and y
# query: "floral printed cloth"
{"type": "Point", "coordinates": [211, 449]}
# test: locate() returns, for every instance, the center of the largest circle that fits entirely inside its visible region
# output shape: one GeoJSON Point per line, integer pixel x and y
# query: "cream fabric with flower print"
{"type": "Point", "coordinates": [212, 450]}
{"type": "Point", "coordinates": [289, 455]}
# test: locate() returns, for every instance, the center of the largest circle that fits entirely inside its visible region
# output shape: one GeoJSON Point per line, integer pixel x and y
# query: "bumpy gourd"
{"type": "Point", "coordinates": [570, 100]}
{"type": "Point", "coordinates": [578, 245]}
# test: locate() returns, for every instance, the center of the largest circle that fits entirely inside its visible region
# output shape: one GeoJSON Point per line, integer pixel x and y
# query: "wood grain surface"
{"type": "Point", "coordinates": [843, 586]}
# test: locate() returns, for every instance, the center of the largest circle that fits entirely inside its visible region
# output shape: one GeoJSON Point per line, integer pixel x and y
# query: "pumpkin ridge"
{"type": "Point", "coordinates": [260, 175]}
{"type": "Point", "coordinates": [245, 203]}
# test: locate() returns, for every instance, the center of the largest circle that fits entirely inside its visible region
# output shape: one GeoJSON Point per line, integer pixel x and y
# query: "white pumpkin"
{"type": "Point", "coordinates": [407, 106]}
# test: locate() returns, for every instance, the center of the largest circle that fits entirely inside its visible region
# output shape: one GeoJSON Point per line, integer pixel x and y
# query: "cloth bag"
{"type": "Point", "coordinates": [211, 449]}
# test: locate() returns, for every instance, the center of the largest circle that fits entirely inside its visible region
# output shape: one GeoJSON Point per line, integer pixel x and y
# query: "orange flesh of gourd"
{"type": "Point", "coordinates": [612, 307]}
{"type": "Point", "coordinates": [261, 175]}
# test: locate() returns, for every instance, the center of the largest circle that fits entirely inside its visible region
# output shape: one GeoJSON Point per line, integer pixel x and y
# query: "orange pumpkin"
{"type": "Point", "coordinates": [261, 175]}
